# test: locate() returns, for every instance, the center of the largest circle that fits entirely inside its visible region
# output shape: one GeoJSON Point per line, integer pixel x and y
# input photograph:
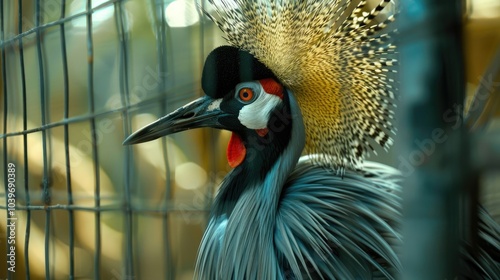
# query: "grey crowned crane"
{"type": "Point", "coordinates": [299, 78]}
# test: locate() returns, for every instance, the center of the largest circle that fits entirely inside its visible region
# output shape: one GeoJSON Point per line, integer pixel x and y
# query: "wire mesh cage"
{"type": "Point", "coordinates": [77, 77]}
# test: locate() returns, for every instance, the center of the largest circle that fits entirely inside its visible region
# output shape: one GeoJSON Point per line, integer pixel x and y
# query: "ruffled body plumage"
{"type": "Point", "coordinates": [325, 227]}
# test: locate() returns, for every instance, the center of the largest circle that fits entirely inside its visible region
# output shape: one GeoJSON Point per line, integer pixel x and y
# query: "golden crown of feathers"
{"type": "Point", "coordinates": [334, 57]}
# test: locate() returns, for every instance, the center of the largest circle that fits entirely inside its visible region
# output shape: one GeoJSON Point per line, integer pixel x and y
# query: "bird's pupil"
{"type": "Point", "coordinates": [245, 94]}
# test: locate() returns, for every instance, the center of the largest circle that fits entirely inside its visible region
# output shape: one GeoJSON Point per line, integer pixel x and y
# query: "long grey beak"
{"type": "Point", "coordinates": [202, 112]}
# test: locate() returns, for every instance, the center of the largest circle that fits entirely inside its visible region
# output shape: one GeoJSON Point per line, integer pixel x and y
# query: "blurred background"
{"type": "Point", "coordinates": [77, 78]}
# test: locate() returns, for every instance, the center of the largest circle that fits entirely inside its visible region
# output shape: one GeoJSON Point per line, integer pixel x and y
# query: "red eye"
{"type": "Point", "coordinates": [245, 94]}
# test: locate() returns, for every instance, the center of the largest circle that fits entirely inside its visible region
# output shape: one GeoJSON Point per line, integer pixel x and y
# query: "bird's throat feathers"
{"type": "Point", "coordinates": [236, 150]}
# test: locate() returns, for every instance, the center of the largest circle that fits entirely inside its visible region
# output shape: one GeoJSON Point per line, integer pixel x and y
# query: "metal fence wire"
{"type": "Point", "coordinates": [77, 77]}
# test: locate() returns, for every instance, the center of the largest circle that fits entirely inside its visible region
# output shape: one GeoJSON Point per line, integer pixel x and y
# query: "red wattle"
{"type": "Point", "coordinates": [272, 87]}
{"type": "Point", "coordinates": [236, 150]}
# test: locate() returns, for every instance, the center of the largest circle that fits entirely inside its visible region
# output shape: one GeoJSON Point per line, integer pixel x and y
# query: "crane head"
{"type": "Point", "coordinates": [242, 96]}
{"type": "Point", "coordinates": [337, 57]}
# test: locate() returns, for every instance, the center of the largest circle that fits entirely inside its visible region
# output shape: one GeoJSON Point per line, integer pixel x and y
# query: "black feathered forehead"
{"type": "Point", "coordinates": [227, 66]}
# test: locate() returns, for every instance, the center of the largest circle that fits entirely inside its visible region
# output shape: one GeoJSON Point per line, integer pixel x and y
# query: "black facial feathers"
{"type": "Point", "coordinates": [227, 66]}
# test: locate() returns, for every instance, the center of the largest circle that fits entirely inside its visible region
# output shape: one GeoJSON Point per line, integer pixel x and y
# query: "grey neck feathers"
{"type": "Point", "coordinates": [284, 165]}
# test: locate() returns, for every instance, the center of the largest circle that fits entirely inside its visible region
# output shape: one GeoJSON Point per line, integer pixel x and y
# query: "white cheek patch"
{"type": "Point", "coordinates": [215, 105]}
{"type": "Point", "coordinates": [256, 115]}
